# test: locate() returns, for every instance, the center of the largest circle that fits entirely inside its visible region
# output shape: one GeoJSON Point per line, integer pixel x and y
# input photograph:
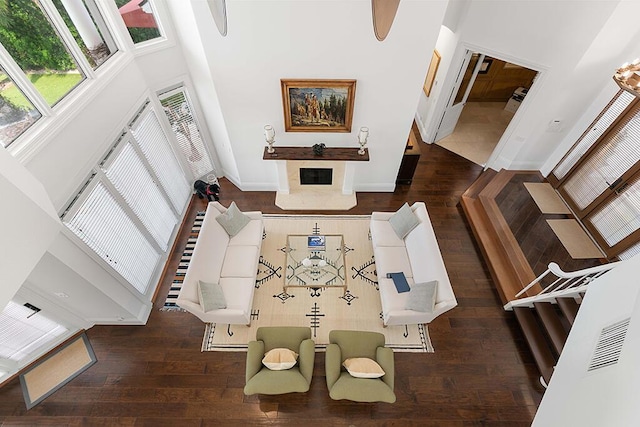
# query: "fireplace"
{"type": "Point", "coordinates": [316, 176]}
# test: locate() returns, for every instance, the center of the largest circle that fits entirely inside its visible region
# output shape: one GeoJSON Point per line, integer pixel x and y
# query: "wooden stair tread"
{"type": "Point", "coordinates": [542, 354]}
{"type": "Point", "coordinates": [569, 308]}
{"type": "Point", "coordinates": [507, 263]}
{"type": "Point", "coordinates": [551, 321]}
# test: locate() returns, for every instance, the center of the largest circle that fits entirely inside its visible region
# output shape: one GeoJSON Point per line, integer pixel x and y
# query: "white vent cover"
{"type": "Point", "coordinates": [609, 345]}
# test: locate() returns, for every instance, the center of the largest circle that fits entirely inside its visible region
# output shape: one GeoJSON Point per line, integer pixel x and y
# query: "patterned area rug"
{"type": "Point", "coordinates": [172, 296]}
{"type": "Point", "coordinates": [322, 309]}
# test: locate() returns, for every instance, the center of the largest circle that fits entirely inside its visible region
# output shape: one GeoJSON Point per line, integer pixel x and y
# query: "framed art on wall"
{"type": "Point", "coordinates": [431, 72]}
{"type": "Point", "coordinates": [318, 105]}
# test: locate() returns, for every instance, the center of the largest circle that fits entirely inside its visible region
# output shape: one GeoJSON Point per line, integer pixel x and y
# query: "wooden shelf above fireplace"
{"type": "Point", "coordinates": [306, 153]}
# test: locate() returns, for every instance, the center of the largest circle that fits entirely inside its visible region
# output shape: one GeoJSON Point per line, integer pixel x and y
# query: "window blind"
{"type": "Point", "coordinates": [156, 148]}
{"type": "Point", "coordinates": [135, 184]}
{"type": "Point", "coordinates": [620, 217]}
{"type": "Point", "coordinates": [630, 253]}
{"type": "Point", "coordinates": [619, 152]}
{"type": "Point", "coordinates": [105, 227]}
{"type": "Point", "coordinates": [179, 111]}
{"type": "Point", "coordinates": [21, 335]}
{"type": "Point", "coordinates": [597, 128]}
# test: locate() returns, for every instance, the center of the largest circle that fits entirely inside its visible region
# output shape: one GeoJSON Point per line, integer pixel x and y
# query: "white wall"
{"type": "Point", "coordinates": [576, 44]}
{"type": "Point", "coordinates": [271, 40]}
{"type": "Point", "coordinates": [28, 224]}
{"type": "Point", "coordinates": [608, 396]}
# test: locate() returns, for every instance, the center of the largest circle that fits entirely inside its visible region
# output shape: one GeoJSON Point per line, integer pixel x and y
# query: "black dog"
{"type": "Point", "coordinates": [210, 191]}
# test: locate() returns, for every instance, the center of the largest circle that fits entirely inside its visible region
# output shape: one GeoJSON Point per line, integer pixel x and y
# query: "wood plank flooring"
{"type": "Point", "coordinates": [481, 373]}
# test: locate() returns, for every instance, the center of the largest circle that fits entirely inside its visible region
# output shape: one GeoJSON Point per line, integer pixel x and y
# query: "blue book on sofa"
{"type": "Point", "coordinates": [400, 281]}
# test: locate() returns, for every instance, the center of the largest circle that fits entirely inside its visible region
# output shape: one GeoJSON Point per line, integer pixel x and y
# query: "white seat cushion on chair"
{"type": "Point", "coordinates": [251, 234]}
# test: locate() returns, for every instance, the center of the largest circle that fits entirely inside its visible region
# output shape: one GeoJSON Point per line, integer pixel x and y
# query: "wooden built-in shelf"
{"type": "Point", "coordinates": [306, 153]}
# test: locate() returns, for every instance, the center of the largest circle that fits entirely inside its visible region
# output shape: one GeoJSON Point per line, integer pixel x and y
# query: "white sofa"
{"type": "Point", "coordinates": [231, 262]}
{"type": "Point", "coordinates": [418, 257]}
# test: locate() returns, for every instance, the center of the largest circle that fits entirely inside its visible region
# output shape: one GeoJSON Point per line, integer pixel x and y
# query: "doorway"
{"type": "Point", "coordinates": [483, 101]}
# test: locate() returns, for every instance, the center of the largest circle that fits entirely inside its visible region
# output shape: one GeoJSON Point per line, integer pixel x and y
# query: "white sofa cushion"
{"type": "Point", "coordinates": [239, 261]}
{"type": "Point", "coordinates": [238, 292]}
{"type": "Point", "coordinates": [392, 259]}
{"type": "Point", "coordinates": [382, 234]}
{"type": "Point", "coordinates": [250, 235]}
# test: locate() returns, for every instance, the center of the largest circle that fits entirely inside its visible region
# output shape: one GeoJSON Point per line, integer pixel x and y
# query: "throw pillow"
{"type": "Point", "coordinates": [233, 220]}
{"type": "Point", "coordinates": [280, 359]}
{"type": "Point", "coordinates": [363, 367]}
{"type": "Point", "coordinates": [403, 221]}
{"type": "Point", "coordinates": [211, 296]}
{"type": "Point", "coordinates": [422, 297]}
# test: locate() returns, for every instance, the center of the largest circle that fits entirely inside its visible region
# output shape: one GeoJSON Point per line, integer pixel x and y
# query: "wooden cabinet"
{"type": "Point", "coordinates": [410, 161]}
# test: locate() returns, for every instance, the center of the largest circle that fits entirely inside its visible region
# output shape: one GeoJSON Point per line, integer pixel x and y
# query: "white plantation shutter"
{"type": "Point", "coordinates": [597, 128]}
{"type": "Point", "coordinates": [135, 184]}
{"type": "Point", "coordinates": [22, 332]}
{"type": "Point", "coordinates": [156, 148]}
{"type": "Point", "coordinates": [620, 217]}
{"type": "Point", "coordinates": [105, 227]}
{"type": "Point", "coordinates": [179, 111]}
{"type": "Point", "coordinates": [609, 161]}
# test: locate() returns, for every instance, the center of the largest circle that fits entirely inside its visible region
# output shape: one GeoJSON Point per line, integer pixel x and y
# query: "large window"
{"type": "Point", "coordinates": [179, 110]}
{"type": "Point", "coordinates": [48, 48]}
{"type": "Point", "coordinates": [128, 209]}
{"type": "Point", "coordinates": [600, 177]}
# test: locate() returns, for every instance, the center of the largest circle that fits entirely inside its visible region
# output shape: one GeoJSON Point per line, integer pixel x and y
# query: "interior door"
{"type": "Point", "coordinates": [462, 87]}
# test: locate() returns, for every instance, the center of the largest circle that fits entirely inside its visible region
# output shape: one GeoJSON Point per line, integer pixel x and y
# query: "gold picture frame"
{"type": "Point", "coordinates": [318, 105]}
{"type": "Point", "coordinates": [431, 73]}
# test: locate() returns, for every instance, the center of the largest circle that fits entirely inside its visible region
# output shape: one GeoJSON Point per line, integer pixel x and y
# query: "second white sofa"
{"type": "Point", "coordinates": [418, 256]}
{"type": "Point", "coordinates": [231, 262]}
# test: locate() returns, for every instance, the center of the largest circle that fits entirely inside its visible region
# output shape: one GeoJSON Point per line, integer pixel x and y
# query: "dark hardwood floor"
{"type": "Point", "coordinates": [481, 373]}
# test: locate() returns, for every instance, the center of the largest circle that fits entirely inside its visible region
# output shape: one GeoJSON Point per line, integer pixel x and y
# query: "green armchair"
{"type": "Point", "coordinates": [261, 380]}
{"type": "Point", "coordinates": [349, 344]}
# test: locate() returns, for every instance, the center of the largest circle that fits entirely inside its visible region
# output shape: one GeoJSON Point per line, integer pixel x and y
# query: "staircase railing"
{"type": "Point", "coordinates": [566, 284]}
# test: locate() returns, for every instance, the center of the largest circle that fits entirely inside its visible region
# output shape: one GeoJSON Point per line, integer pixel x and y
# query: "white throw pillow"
{"type": "Point", "coordinates": [363, 367]}
{"type": "Point", "coordinates": [233, 220]}
{"type": "Point", "coordinates": [403, 221]}
{"type": "Point", "coordinates": [422, 297]}
{"type": "Point", "coordinates": [211, 296]}
{"type": "Point", "coordinates": [280, 359]}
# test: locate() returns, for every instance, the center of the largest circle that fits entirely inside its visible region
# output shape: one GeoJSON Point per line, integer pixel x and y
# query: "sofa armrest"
{"type": "Point", "coordinates": [255, 354]}
{"type": "Point", "coordinates": [333, 360]}
{"type": "Point", "coordinates": [254, 215]}
{"type": "Point", "coordinates": [307, 358]}
{"type": "Point", "coordinates": [384, 357]}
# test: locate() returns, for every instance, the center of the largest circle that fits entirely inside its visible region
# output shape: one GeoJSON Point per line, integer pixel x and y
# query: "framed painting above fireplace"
{"type": "Point", "coordinates": [318, 105]}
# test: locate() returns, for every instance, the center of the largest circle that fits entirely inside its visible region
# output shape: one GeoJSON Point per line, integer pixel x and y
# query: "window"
{"type": "Point", "coordinates": [24, 331]}
{"type": "Point", "coordinates": [48, 47]}
{"type": "Point", "coordinates": [88, 29]}
{"type": "Point", "coordinates": [128, 209]}
{"type": "Point", "coordinates": [179, 111]}
{"type": "Point", "coordinates": [139, 17]}
{"type": "Point", "coordinates": [600, 177]}
{"type": "Point", "coordinates": [35, 45]}
{"type": "Point", "coordinates": [17, 113]}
